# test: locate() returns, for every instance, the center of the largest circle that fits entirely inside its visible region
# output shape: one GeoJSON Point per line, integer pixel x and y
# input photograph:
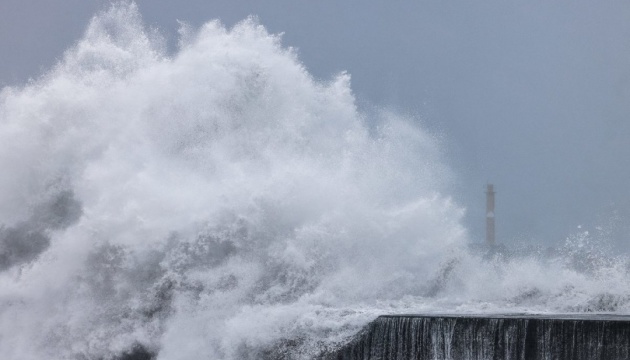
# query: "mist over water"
{"type": "Point", "coordinates": [221, 203]}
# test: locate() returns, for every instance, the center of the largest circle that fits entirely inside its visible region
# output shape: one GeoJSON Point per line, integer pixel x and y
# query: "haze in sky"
{"type": "Point", "coordinates": [533, 96]}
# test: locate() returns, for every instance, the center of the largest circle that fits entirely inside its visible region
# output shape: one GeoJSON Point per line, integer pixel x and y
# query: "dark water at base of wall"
{"type": "Point", "coordinates": [496, 337]}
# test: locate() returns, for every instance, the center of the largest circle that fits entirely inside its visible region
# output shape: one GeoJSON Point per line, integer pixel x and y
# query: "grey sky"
{"type": "Point", "coordinates": [533, 96]}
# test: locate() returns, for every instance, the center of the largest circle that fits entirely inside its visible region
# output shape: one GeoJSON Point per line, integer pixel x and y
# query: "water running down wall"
{"type": "Point", "coordinates": [491, 337]}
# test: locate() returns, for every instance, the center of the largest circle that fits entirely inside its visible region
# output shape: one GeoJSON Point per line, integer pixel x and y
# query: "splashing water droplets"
{"type": "Point", "coordinates": [215, 185]}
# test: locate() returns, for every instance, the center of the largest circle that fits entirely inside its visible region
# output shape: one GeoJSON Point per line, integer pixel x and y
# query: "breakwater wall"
{"type": "Point", "coordinates": [492, 337]}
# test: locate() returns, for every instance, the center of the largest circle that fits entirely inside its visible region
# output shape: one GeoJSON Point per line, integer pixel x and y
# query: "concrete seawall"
{"type": "Point", "coordinates": [491, 337]}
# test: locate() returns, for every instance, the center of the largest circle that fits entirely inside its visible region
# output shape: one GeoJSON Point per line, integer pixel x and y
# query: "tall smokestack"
{"type": "Point", "coordinates": [490, 215]}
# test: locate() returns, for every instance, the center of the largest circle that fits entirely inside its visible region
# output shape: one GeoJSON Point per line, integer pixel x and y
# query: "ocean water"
{"type": "Point", "coordinates": [219, 202]}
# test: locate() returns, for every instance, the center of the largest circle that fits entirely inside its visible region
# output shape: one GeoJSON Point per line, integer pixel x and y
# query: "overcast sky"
{"type": "Point", "coordinates": [533, 96]}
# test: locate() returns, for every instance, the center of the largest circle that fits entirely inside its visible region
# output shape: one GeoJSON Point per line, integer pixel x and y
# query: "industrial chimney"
{"type": "Point", "coordinates": [490, 215]}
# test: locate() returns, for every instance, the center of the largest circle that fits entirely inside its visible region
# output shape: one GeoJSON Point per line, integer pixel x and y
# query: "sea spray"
{"type": "Point", "coordinates": [219, 202]}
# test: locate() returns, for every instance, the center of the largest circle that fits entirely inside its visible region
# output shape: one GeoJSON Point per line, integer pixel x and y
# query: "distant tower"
{"type": "Point", "coordinates": [490, 215]}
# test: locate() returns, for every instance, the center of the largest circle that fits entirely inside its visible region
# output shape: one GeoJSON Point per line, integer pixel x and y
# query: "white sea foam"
{"type": "Point", "coordinates": [221, 203]}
